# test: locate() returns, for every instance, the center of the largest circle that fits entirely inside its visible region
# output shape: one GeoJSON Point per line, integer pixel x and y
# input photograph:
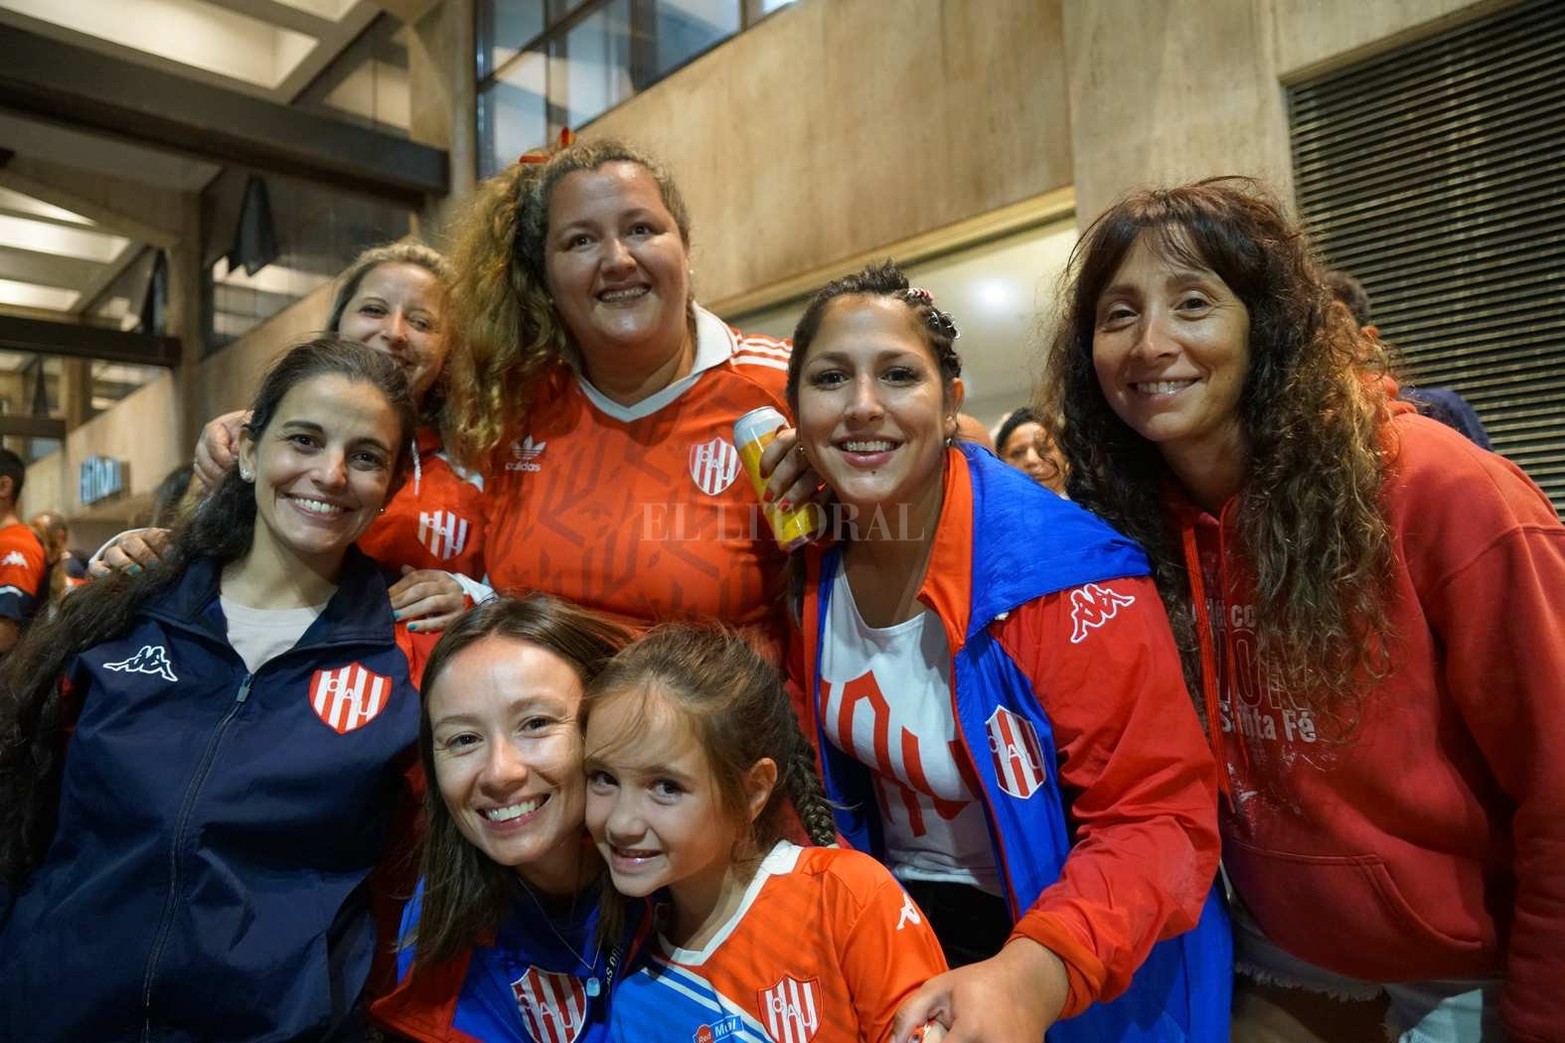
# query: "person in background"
{"type": "Point", "coordinates": [66, 570]}
{"type": "Point", "coordinates": [997, 703]}
{"type": "Point", "coordinates": [24, 562]}
{"type": "Point", "coordinates": [693, 757]}
{"type": "Point", "coordinates": [391, 298]}
{"type": "Point", "coordinates": [1023, 443]}
{"type": "Point", "coordinates": [601, 397]}
{"type": "Point", "coordinates": [200, 763]}
{"type": "Point", "coordinates": [1442, 404]}
{"type": "Point", "coordinates": [1371, 611]}
{"type": "Point", "coordinates": [501, 941]}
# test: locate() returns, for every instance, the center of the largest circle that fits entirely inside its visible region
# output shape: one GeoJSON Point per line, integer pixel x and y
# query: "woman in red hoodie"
{"type": "Point", "coordinates": [1371, 612]}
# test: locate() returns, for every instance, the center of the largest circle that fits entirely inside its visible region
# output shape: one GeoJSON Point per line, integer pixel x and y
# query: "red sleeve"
{"type": "Point", "coordinates": [1489, 562]}
{"type": "Point", "coordinates": [1138, 773]}
{"type": "Point", "coordinates": [889, 950]}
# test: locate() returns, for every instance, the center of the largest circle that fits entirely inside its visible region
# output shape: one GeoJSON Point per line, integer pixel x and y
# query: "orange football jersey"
{"type": "Point", "coordinates": [643, 513]}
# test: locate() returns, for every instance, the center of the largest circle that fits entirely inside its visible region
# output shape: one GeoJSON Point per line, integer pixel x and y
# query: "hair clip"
{"type": "Point", "coordinates": [937, 320]}
{"type": "Point", "coordinates": [546, 152]}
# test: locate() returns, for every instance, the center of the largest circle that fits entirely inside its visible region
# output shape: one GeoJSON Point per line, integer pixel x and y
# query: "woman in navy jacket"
{"type": "Point", "coordinates": [195, 863]}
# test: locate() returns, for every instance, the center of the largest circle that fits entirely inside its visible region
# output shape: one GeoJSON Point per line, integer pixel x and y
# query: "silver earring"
{"type": "Point", "coordinates": [245, 476]}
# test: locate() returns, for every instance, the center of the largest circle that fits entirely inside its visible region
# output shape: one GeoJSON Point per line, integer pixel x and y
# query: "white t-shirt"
{"type": "Point", "coordinates": [886, 701]}
{"type": "Point", "coordinates": [260, 634]}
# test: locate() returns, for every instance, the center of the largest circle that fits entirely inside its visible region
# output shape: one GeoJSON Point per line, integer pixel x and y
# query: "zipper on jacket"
{"type": "Point", "coordinates": [165, 926]}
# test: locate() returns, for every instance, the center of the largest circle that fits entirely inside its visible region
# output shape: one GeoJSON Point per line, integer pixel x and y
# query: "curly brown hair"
{"type": "Point", "coordinates": [505, 333]}
{"type": "Point", "coordinates": [1309, 515]}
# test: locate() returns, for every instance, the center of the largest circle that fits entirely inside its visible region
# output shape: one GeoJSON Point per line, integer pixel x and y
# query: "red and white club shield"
{"type": "Point", "coordinates": [714, 465]}
{"type": "Point", "coordinates": [444, 533]}
{"type": "Point", "coordinates": [553, 1005]}
{"type": "Point", "coordinates": [348, 697]}
{"type": "Point", "coordinates": [791, 1009]}
{"type": "Point", "coordinates": [1018, 759]}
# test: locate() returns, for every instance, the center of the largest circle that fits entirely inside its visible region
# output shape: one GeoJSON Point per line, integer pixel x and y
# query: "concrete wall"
{"type": "Point", "coordinates": [837, 126]}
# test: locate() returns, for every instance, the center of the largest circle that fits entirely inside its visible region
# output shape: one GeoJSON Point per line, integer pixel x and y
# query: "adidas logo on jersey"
{"type": "Point", "coordinates": [14, 557]}
{"type": "Point", "coordinates": [525, 455]}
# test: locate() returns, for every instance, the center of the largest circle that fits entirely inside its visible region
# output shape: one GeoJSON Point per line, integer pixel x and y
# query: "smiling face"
{"type": "Point", "coordinates": [1171, 350]}
{"type": "Point", "coordinates": [653, 804]}
{"type": "Point", "coordinates": [321, 469]}
{"type": "Point", "coordinates": [507, 753]}
{"type": "Point", "coordinates": [617, 266]}
{"type": "Point", "coordinates": [873, 413]}
{"type": "Point", "coordinates": [396, 309]}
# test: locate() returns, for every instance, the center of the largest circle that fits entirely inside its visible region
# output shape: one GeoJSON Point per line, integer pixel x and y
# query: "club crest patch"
{"type": "Point", "coordinates": [1018, 757]}
{"type": "Point", "coordinates": [714, 465]}
{"type": "Point", "coordinates": [348, 697]}
{"type": "Point", "coordinates": [553, 1005]}
{"type": "Point", "coordinates": [791, 1010]}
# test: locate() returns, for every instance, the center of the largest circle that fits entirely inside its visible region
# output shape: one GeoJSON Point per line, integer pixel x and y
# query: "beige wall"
{"type": "Point", "coordinates": [837, 126]}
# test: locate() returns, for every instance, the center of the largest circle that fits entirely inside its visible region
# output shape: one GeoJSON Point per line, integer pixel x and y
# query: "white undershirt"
{"type": "Point", "coordinates": [934, 827]}
{"type": "Point", "coordinates": [260, 634]}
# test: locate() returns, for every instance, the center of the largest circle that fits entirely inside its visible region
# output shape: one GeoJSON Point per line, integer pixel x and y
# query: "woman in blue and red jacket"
{"type": "Point", "coordinates": [195, 862]}
{"type": "Point", "coordinates": [998, 704]}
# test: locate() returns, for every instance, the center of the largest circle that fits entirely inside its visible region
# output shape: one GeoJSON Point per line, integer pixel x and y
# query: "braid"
{"type": "Point", "coordinates": [809, 797]}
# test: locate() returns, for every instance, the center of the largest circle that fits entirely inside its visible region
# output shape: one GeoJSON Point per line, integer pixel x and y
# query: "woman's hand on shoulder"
{"type": "Point", "coordinates": [1012, 997]}
{"type": "Point", "coordinates": [428, 596]}
{"type": "Point", "coordinates": [217, 450]}
{"type": "Point", "coordinates": [131, 552]}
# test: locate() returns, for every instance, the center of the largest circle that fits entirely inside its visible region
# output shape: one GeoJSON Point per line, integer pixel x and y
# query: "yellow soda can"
{"type": "Point", "coordinates": [753, 432]}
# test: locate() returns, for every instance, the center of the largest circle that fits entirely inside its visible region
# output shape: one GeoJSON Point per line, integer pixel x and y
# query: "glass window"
{"type": "Point", "coordinates": [597, 54]}
{"type": "Point", "coordinates": [510, 26]}
{"type": "Point", "coordinates": [685, 28]}
{"type": "Point", "coordinates": [514, 113]}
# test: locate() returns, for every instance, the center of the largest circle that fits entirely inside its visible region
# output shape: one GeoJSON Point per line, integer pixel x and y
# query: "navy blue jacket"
{"type": "Point", "coordinates": [207, 879]}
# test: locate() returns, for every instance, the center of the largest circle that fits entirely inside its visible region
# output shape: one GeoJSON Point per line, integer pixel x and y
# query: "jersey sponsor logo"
{"type": "Point", "coordinates": [1092, 606]}
{"type": "Point", "coordinates": [14, 557]}
{"type": "Point", "coordinates": [553, 1005]}
{"type": "Point", "coordinates": [348, 697]}
{"type": "Point", "coordinates": [790, 1010]}
{"type": "Point", "coordinates": [717, 1031]}
{"type": "Point", "coordinates": [444, 533]}
{"type": "Point", "coordinates": [525, 454]}
{"type": "Point", "coordinates": [714, 465]}
{"type": "Point", "coordinates": [150, 659]}
{"type": "Point", "coordinates": [1018, 759]}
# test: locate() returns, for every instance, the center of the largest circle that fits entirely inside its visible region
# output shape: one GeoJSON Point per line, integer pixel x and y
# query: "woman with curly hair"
{"type": "Point", "coordinates": [602, 398]}
{"type": "Point", "coordinates": [1371, 612]}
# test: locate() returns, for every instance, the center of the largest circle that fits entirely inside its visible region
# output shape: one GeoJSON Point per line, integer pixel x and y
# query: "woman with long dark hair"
{"type": "Point", "coordinates": [199, 763]}
{"type": "Point", "coordinates": [1371, 613]}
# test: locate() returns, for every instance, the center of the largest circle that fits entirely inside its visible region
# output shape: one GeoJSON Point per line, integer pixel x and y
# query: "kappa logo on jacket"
{"type": "Point", "coordinates": [14, 557]}
{"type": "Point", "coordinates": [1092, 606]}
{"type": "Point", "coordinates": [790, 1008]}
{"type": "Point", "coordinates": [553, 1005]}
{"type": "Point", "coordinates": [348, 697]}
{"type": "Point", "coordinates": [1018, 756]}
{"type": "Point", "coordinates": [444, 533]}
{"type": "Point", "coordinates": [151, 659]}
{"type": "Point", "coordinates": [714, 465]}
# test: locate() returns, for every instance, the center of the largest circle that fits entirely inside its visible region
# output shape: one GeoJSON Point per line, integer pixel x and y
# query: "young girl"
{"type": "Point", "coordinates": [199, 764]}
{"type": "Point", "coordinates": [691, 751]}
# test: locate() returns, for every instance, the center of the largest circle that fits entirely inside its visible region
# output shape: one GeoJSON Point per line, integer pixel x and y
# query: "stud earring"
{"type": "Point", "coordinates": [245, 476]}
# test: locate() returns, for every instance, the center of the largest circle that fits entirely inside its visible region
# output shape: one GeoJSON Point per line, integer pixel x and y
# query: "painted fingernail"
{"type": "Point", "coordinates": [396, 613]}
{"type": "Point", "coordinates": [767, 496]}
{"type": "Point", "coordinates": [412, 627]}
{"type": "Point", "coordinates": [133, 570]}
{"type": "Point", "coordinates": [785, 505]}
